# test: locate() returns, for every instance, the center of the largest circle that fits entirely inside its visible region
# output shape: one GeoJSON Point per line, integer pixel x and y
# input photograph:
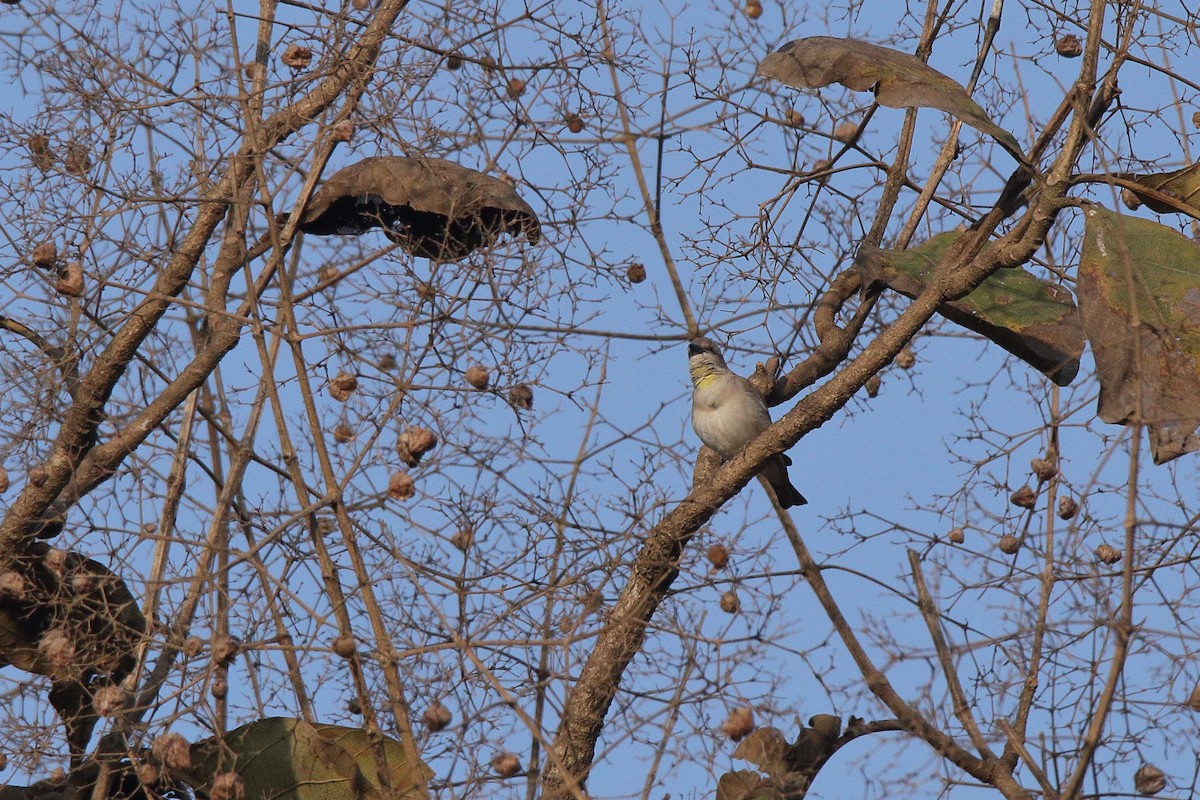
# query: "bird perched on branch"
{"type": "Point", "coordinates": [727, 413]}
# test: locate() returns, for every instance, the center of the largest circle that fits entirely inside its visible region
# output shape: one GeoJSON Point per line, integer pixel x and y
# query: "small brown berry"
{"type": "Point", "coordinates": [1068, 46]}
{"type": "Point", "coordinates": [872, 385]}
{"type": "Point", "coordinates": [436, 717]}
{"type": "Point", "coordinates": [845, 132]}
{"type": "Point", "coordinates": [219, 688]}
{"type": "Point", "coordinates": [1196, 119]}
{"type": "Point", "coordinates": [342, 132]}
{"type": "Point", "coordinates": [192, 646]}
{"type": "Point", "coordinates": [1067, 507]}
{"type": "Point", "coordinates": [753, 9]}
{"type": "Point", "coordinates": [172, 751]}
{"type": "Point", "coordinates": [70, 280]}
{"type": "Point", "coordinates": [401, 486]}
{"type": "Point", "coordinates": [109, 700]}
{"type": "Point", "coordinates": [905, 359]}
{"type": "Point", "coordinates": [454, 62]}
{"type": "Point", "coordinates": [478, 376]}
{"type": "Point", "coordinates": [730, 603]}
{"type": "Point", "coordinates": [1130, 199]}
{"type": "Point", "coordinates": [957, 536]}
{"type": "Point", "coordinates": [354, 706]}
{"type": "Point", "coordinates": [342, 386]}
{"type": "Point", "coordinates": [1149, 780]}
{"type": "Point", "coordinates": [636, 272]}
{"type": "Point", "coordinates": [224, 649]}
{"type": "Point", "coordinates": [1024, 497]}
{"type": "Point", "coordinates": [228, 786]}
{"type": "Point", "coordinates": [297, 56]}
{"type": "Point", "coordinates": [740, 723]}
{"type": "Point", "coordinates": [344, 646]}
{"type": "Point", "coordinates": [488, 63]}
{"type": "Point", "coordinates": [1009, 544]}
{"type": "Point", "coordinates": [387, 362]}
{"type": "Point", "coordinates": [1108, 554]}
{"type": "Point", "coordinates": [45, 255]}
{"type": "Point", "coordinates": [574, 122]}
{"type": "Point", "coordinates": [414, 443]}
{"type": "Point", "coordinates": [506, 764]}
{"type": "Point", "coordinates": [521, 396]}
{"type": "Point", "coordinates": [718, 555]}
{"type": "Point", "coordinates": [343, 433]}
{"type": "Point", "coordinates": [251, 70]}
{"type": "Point", "coordinates": [515, 88]}
{"type": "Point", "coordinates": [794, 118]}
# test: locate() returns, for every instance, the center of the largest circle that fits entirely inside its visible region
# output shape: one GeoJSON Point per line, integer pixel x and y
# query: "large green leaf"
{"type": "Point", "coordinates": [1033, 319]}
{"type": "Point", "coordinates": [1139, 294]}
{"type": "Point", "coordinates": [280, 758]}
{"type": "Point", "coordinates": [898, 79]}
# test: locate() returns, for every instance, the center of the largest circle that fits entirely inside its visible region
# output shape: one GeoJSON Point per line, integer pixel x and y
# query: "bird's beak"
{"type": "Point", "coordinates": [694, 349]}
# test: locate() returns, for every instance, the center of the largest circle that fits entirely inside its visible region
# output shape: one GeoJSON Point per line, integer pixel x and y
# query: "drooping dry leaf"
{"type": "Point", "coordinates": [1138, 270]}
{"type": "Point", "coordinates": [746, 785]}
{"type": "Point", "coordinates": [1033, 319]}
{"type": "Point", "coordinates": [1168, 192]}
{"type": "Point", "coordinates": [429, 206]}
{"type": "Point", "coordinates": [290, 759]}
{"type": "Point", "coordinates": [765, 748]}
{"type": "Point", "coordinates": [898, 79]}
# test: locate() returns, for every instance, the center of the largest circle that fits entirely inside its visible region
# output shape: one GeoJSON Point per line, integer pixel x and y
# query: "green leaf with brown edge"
{"type": "Point", "coordinates": [1033, 319]}
{"type": "Point", "coordinates": [289, 759]}
{"type": "Point", "coordinates": [898, 79]}
{"type": "Point", "coordinates": [1166, 192]}
{"type": "Point", "coordinates": [1138, 270]}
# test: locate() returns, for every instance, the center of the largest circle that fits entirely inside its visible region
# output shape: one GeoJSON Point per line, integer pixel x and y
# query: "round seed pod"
{"type": "Point", "coordinates": [401, 486]}
{"type": "Point", "coordinates": [1068, 46]}
{"type": "Point", "coordinates": [297, 56]}
{"type": "Point", "coordinates": [1043, 468]}
{"type": "Point", "coordinates": [573, 122]}
{"type": "Point", "coordinates": [224, 649]}
{"type": "Point", "coordinates": [1149, 780]}
{"type": "Point", "coordinates": [1108, 554]}
{"type": "Point", "coordinates": [1067, 507]}
{"type": "Point", "coordinates": [342, 386]}
{"type": "Point", "coordinates": [739, 724]}
{"type": "Point", "coordinates": [636, 272]}
{"type": "Point", "coordinates": [718, 556]}
{"type": "Point", "coordinates": [478, 376]}
{"type": "Point", "coordinates": [514, 88]}
{"type": "Point", "coordinates": [1024, 497]}
{"type": "Point", "coordinates": [219, 688]}
{"type": "Point", "coordinates": [753, 9]}
{"type": "Point", "coordinates": [872, 385]}
{"type": "Point", "coordinates": [845, 132]}
{"type": "Point", "coordinates": [414, 443]}
{"type": "Point", "coordinates": [172, 751]}
{"type": "Point", "coordinates": [344, 646]}
{"type": "Point", "coordinates": [437, 717]}
{"type": "Point", "coordinates": [454, 62]}
{"type": "Point", "coordinates": [730, 603]}
{"type": "Point", "coordinates": [1009, 544]}
{"type": "Point", "coordinates": [905, 359]}
{"type": "Point", "coordinates": [228, 786]}
{"type": "Point", "coordinates": [45, 255]}
{"type": "Point", "coordinates": [342, 131]}
{"type": "Point", "coordinates": [521, 396]}
{"type": "Point", "coordinates": [506, 765]}
{"type": "Point", "coordinates": [957, 536]}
